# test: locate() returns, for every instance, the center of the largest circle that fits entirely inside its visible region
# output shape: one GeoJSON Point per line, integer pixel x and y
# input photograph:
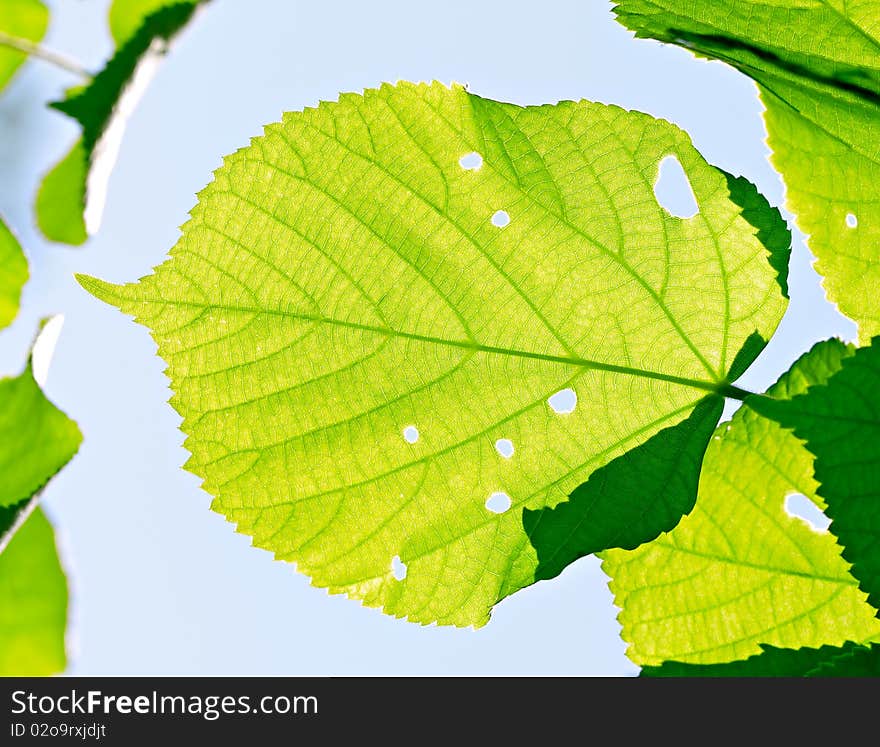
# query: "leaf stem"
{"type": "Point", "coordinates": [47, 55]}
{"type": "Point", "coordinates": [734, 392]}
{"type": "Point", "coordinates": [24, 510]}
{"type": "Point", "coordinates": [721, 388]}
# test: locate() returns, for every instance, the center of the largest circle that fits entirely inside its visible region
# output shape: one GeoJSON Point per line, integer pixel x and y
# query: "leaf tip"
{"type": "Point", "coordinates": [100, 289]}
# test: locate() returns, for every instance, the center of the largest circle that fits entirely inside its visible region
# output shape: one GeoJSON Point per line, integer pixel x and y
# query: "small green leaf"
{"type": "Point", "coordinates": [36, 438]}
{"type": "Point", "coordinates": [840, 423]}
{"type": "Point", "coordinates": [33, 602]}
{"type": "Point", "coordinates": [396, 321]}
{"type": "Point", "coordinates": [13, 275]}
{"type": "Point", "coordinates": [71, 200]}
{"type": "Point", "coordinates": [61, 199]}
{"type": "Point", "coordinates": [817, 65]}
{"type": "Point", "coordinates": [22, 19]}
{"type": "Point", "coordinates": [739, 571]}
{"type": "Point", "coordinates": [94, 105]}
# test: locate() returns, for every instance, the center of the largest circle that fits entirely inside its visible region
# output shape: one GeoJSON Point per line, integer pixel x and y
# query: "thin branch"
{"type": "Point", "coordinates": [47, 55]}
{"type": "Point", "coordinates": [21, 516]}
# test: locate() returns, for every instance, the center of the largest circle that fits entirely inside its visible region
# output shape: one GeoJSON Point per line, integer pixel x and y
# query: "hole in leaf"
{"type": "Point", "coordinates": [801, 507]}
{"type": "Point", "coordinates": [398, 568]}
{"type": "Point", "coordinates": [470, 161]}
{"type": "Point", "coordinates": [851, 220]}
{"type": "Point", "coordinates": [500, 219]}
{"type": "Point", "coordinates": [673, 189]}
{"type": "Point", "coordinates": [498, 502]}
{"type": "Point", "coordinates": [504, 446]}
{"type": "Point", "coordinates": [563, 402]}
{"type": "Point", "coordinates": [410, 434]}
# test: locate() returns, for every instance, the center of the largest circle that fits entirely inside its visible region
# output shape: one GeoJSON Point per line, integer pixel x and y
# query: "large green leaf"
{"type": "Point", "coordinates": [739, 571]}
{"type": "Point", "coordinates": [33, 602]}
{"type": "Point", "coordinates": [372, 304]}
{"type": "Point", "coordinates": [817, 65]}
{"type": "Point", "coordinates": [840, 423]}
{"type": "Point", "coordinates": [71, 200]}
{"type": "Point", "coordinates": [19, 19]}
{"type": "Point", "coordinates": [13, 275]}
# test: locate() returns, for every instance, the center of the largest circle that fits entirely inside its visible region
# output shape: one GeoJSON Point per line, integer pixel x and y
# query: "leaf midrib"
{"type": "Point", "coordinates": [715, 557]}
{"type": "Point", "coordinates": [717, 387]}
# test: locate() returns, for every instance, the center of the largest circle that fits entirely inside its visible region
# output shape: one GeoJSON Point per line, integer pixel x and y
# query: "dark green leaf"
{"type": "Point", "coordinates": [771, 662]}
{"type": "Point", "coordinates": [840, 423]}
{"type": "Point", "coordinates": [630, 500]}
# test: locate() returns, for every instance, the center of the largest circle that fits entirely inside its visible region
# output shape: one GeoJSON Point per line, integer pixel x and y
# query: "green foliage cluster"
{"type": "Point", "coordinates": [36, 439]}
{"type": "Point", "coordinates": [434, 348]}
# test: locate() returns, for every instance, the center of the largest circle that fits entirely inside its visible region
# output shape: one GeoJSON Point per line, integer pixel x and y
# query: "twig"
{"type": "Point", "coordinates": [47, 55]}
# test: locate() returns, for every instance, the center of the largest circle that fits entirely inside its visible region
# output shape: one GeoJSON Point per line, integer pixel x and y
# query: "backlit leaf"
{"type": "Point", "coordinates": [396, 321]}
{"type": "Point", "coordinates": [36, 438]}
{"type": "Point", "coordinates": [13, 275]}
{"type": "Point", "coordinates": [61, 199]}
{"type": "Point", "coordinates": [36, 441]}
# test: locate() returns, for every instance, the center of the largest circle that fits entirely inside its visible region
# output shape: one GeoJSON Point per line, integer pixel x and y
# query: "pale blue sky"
{"type": "Point", "coordinates": [160, 585]}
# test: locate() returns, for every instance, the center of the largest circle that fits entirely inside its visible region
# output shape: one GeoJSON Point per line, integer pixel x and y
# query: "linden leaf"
{"type": "Point", "coordinates": [61, 199]}
{"type": "Point", "coordinates": [20, 19]}
{"type": "Point", "coordinates": [817, 66]}
{"type": "Point", "coordinates": [396, 321]}
{"type": "Point", "coordinates": [36, 438]}
{"type": "Point", "coordinates": [739, 571]}
{"type": "Point", "coordinates": [33, 602]}
{"type": "Point", "coordinates": [840, 423]}
{"type": "Point", "coordinates": [70, 202]}
{"type": "Point", "coordinates": [13, 275]}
